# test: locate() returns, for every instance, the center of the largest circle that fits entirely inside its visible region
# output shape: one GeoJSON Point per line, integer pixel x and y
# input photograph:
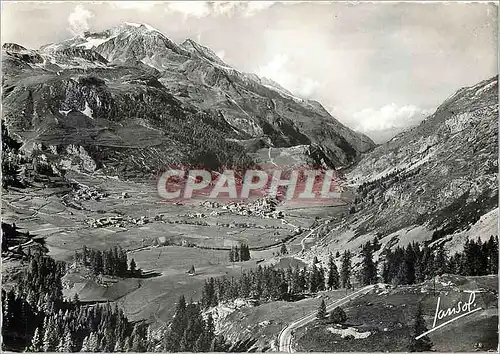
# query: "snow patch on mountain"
{"type": "Point", "coordinates": [93, 42]}
{"type": "Point", "coordinates": [283, 93]}
{"type": "Point", "coordinates": [486, 87]}
{"type": "Point", "coordinates": [132, 24]}
{"type": "Point", "coordinates": [52, 47]}
{"type": "Point", "coordinates": [138, 25]}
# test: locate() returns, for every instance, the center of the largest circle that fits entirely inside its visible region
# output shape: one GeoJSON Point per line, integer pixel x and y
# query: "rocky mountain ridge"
{"type": "Point", "coordinates": [135, 102]}
{"type": "Point", "coordinates": [436, 183]}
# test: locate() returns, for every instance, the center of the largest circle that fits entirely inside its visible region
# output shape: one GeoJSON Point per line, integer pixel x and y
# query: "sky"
{"type": "Point", "coordinates": [377, 67]}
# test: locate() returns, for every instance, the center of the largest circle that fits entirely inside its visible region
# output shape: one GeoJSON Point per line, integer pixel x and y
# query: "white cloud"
{"type": "Point", "coordinates": [308, 87]}
{"type": "Point", "coordinates": [78, 20]}
{"type": "Point", "coordinates": [199, 9]}
{"type": "Point", "coordinates": [388, 117]}
{"type": "Point", "coordinates": [225, 8]}
{"type": "Point", "coordinates": [277, 70]}
{"type": "Point", "coordinates": [191, 8]}
{"type": "Point", "coordinates": [221, 54]}
{"type": "Point", "coordinates": [134, 5]}
{"type": "Point", "coordinates": [253, 7]}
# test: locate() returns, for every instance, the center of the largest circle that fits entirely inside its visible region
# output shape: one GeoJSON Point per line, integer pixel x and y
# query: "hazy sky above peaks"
{"type": "Point", "coordinates": [377, 67]}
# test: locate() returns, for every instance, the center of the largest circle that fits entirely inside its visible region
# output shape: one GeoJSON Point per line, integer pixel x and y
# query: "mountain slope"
{"type": "Point", "coordinates": [135, 101]}
{"type": "Point", "coordinates": [436, 182]}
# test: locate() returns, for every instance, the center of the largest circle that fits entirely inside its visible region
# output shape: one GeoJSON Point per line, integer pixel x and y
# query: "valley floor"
{"type": "Point", "coordinates": [164, 239]}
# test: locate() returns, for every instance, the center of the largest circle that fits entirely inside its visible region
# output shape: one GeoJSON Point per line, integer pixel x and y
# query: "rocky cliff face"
{"type": "Point", "coordinates": [450, 158]}
{"type": "Point", "coordinates": [135, 102]}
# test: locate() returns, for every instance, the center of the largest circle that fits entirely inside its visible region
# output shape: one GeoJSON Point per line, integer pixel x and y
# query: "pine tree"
{"type": "Point", "coordinates": [368, 268]}
{"type": "Point", "coordinates": [127, 346]}
{"type": "Point", "coordinates": [401, 277]}
{"type": "Point", "coordinates": [345, 271]}
{"type": "Point", "coordinates": [138, 336]}
{"type": "Point", "coordinates": [93, 342]}
{"type": "Point", "coordinates": [321, 314]}
{"type": "Point", "coordinates": [247, 253]}
{"type": "Point", "coordinates": [60, 346]}
{"type": "Point", "coordinates": [338, 315]}
{"type": "Point", "coordinates": [283, 250]}
{"type": "Point", "coordinates": [209, 328]}
{"type": "Point", "coordinates": [107, 263]}
{"type": "Point", "coordinates": [409, 258]}
{"type": "Point", "coordinates": [118, 346]}
{"type": "Point", "coordinates": [192, 270]}
{"type": "Point", "coordinates": [184, 344]}
{"type": "Point", "coordinates": [133, 266]}
{"type": "Point", "coordinates": [85, 345]}
{"type": "Point", "coordinates": [109, 340]}
{"type": "Point", "coordinates": [236, 254]}
{"type": "Point", "coordinates": [424, 343]}
{"type": "Point", "coordinates": [470, 255]}
{"type": "Point", "coordinates": [386, 268]}
{"type": "Point", "coordinates": [440, 261]}
{"type": "Point", "coordinates": [321, 279]}
{"type": "Point", "coordinates": [198, 344]}
{"type": "Point", "coordinates": [484, 259]}
{"type": "Point", "coordinates": [333, 274]}
{"type": "Point", "coordinates": [208, 297]}
{"type": "Point", "coordinates": [244, 252]}
{"type": "Point", "coordinates": [419, 270]}
{"type": "Point", "coordinates": [314, 279]}
{"type": "Point", "coordinates": [428, 263]}
{"type": "Point", "coordinates": [245, 286]}
{"type": "Point", "coordinates": [84, 256]}
{"type": "Point", "coordinates": [213, 345]}
{"type": "Point", "coordinates": [50, 335]}
{"type": "Point", "coordinates": [493, 255]}
{"type": "Point", "coordinates": [302, 280]}
{"type": "Point", "coordinates": [68, 345]}
{"type": "Point", "coordinates": [36, 342]}
{"type": "Point", "coordinates": [178, 326]}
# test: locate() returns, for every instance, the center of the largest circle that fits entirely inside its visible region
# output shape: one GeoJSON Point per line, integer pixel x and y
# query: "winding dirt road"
{"type": "Point", "coordinates": [285, 337]}
{"type": "Point", "coordinates": [302, 243]}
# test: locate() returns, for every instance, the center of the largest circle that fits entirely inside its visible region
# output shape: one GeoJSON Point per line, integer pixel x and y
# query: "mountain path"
{"type": "Point", "coordinates": [285, 336]}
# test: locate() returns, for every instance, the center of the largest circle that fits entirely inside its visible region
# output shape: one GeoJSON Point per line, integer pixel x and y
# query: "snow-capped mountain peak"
{"type": "Point", "coordinates": [137, 57]}
{"type": "Point", "coordinates": [139, 25]}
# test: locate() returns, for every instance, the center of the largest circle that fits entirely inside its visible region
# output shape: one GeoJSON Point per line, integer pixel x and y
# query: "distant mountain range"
{"type": "Point", "coordinates": [129, 101]}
